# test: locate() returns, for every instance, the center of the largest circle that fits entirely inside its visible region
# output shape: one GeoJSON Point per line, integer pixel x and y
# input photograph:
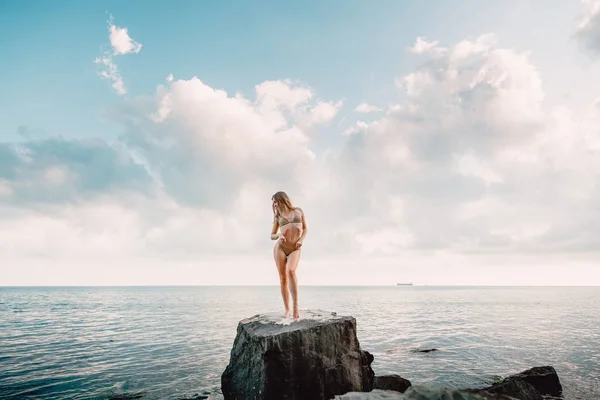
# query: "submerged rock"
{"type": "Point", "coordinates": [127, 396]}
{"type": "Point", "coordinates": [424, 350]}
{"type": "Point", "coordinates": [391, 382]}
{"type": "Point", "coordinates": [196, 396]}
{"type": "Point", "coordinates": [423, 393]}
{"type": "Point", "coordinates": [537, 383]}
{"type": "Point", "coordinates": [316, 357]}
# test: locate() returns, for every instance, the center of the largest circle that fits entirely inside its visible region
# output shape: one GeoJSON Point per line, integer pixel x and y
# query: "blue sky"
{"type": "Point", "coordinates": [343, 54]}
{"type": "Point", "coordinates": [352, 52]}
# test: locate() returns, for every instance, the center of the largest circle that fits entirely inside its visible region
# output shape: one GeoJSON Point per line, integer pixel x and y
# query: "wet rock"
{"type": "Point", "coordinates": [517, 388]}
{"type": "Point", "coordinates": [424, 350]}
{"type": "Point", "coordinates": [375, 394]}
{"type": "Point", "coordinates": [543, 379]}
{"type": "Point", "coordinates": [127, 396]}
{"type": "Point", "coordinates": [536, 383]}
{"type": "Point", "coordinates": [423, 393]}
{"type": "Point", "coordinates": [317, 357]}
{"type": "Point", "coordinates": [195, 397]}
{"type": "Point", "coordinates": [391, 382]}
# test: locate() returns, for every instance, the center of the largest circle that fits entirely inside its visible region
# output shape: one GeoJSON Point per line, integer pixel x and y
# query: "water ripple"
{"type": "Point", "coordinates": [173, 343]}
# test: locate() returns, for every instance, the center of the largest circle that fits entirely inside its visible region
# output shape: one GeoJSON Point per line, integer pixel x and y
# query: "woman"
{"type": "Point", "coordinates": [292, 225]}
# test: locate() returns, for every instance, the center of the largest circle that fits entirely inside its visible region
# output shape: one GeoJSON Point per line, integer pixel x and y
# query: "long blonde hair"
{"type": "Point", "coordinates": [282, 199]}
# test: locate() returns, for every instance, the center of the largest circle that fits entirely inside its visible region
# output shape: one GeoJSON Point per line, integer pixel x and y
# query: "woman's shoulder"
{"type": "Point", "coordinates": [299, 209]}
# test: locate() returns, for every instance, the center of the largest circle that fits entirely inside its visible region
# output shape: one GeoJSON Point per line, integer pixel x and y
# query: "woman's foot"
{"type": "Point", "coordinates": [296, 314]}
{"type": "Point", "coordinates": [286, 314]}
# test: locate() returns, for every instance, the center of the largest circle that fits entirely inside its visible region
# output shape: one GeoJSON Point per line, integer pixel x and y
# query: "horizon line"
{"type": "Point", "coordinates": [277, 285]}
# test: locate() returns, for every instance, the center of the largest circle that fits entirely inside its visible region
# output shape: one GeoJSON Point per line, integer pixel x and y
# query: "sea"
{"type": "Point", "coordinates": [174, 342]}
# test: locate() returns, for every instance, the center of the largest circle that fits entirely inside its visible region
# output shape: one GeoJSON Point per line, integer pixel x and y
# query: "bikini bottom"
{"type": "Point", "coordinates": [288, 248]}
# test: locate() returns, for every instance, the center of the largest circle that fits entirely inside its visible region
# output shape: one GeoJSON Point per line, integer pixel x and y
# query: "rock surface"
{"type": "Point", "coordinates": [533, 384]}
{"type": "Point", "coordinates": [391, 382]}
{"type": "Point", "coordinates": [423, 350]}
{"type": "Point", "coordinates": [517, 388]}
{"type": "Point", "coordinates": [543, 379]}
{"type": "Point", "coordinates": [422, 393]}
{"type": "Point", "coordinates": [316, 357]}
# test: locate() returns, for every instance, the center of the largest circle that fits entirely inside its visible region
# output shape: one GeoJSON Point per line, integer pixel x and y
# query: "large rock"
{"type": "Point", "coordinates": [423, 393]}
{"type": "Point", "coordinates": [391, 382]}
{"type": "Point", "coordinates": [317, 357]}
{"type": "Point", "coordinates": [517, 388]}
{"type": "Point", "coordinates": [536, 383]}
{"type": "Point", "coordinates": [543, 379]}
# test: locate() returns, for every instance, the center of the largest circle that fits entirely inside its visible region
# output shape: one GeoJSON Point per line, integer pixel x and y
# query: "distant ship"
{"type": "Point", "coordinates": [404, 284]}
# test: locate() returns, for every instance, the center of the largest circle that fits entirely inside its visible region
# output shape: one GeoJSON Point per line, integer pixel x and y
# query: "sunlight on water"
{"type": "Point", "coordinates": [174, 342]}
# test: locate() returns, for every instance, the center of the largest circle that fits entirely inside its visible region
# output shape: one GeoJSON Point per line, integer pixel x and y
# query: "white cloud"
{"type": "Point", "coordinates": [110, 72]}
{"type": "Point", "coordinates": [55, 176]}
{"type": "Point", "coordinates": [282, 94]}
{"type": "Point", "coordinates": [55, 171]}
{"type": "Point", "coordinates": [5, 189]}
{"type": "Point", "coordinates": [466, 48]}
{"type": "Point", "coordinates": [469, 165]}
{"type": "Point", "coordinates": [286, 101]}
{"type": "Point", "coordinates": [423, 46]}
{"type": "Point", "coordinates": [199, 158]}
{"type": "Point", "coordinates": [469, 143]}
{"type": "Point", "coordinates": [323, 112]}
{"type": "Point", "coordinates": [588, 28]}
{"type": "Point", "coordinates": [121, 44]}
{"type": "Point", "coordinates": [468, 161]}
{"type": "Point", "coordinates": [359, 126]}
{"type": "Point", "coordinates": [223, 143]}
{"type": "Point", "coordinates": [366, 108]}
{"type": "Point", "coordinates": [473, 131]}
{"type": "Point", "coordinates": [384, 241]}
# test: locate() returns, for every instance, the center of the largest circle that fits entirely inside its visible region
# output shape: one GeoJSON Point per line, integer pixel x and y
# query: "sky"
{"type": "Point", "coordinates": [432, 142]}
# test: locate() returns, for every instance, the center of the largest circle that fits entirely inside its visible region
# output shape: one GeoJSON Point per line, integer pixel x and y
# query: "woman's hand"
{"type": "Point", "coordinates": [281, 238]}
{"type": "Point", "coordinates": [298, 244]}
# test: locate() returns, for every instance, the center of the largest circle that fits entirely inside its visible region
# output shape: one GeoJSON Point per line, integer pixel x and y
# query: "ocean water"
{"type": "Point", "coordinates": [174, 342]}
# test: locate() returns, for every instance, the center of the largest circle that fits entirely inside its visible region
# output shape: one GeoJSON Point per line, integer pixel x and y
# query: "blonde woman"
{"type": "Point", "coordinates": [291, 223]}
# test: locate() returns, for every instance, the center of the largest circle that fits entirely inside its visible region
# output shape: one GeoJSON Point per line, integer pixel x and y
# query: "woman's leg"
{"type": "Point", "coordinates": [280, 262]}
{"type": "Point", "coordinates": [292, 264]}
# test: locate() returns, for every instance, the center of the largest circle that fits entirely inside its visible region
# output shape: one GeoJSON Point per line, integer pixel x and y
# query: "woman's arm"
{"type": "Point", "coordinates": [274, 234]}
{"type": "Point", "coordinates": [304, 228]}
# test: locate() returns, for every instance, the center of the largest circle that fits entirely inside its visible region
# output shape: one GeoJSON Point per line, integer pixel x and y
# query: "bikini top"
{"type": "Point", "coordinates": [297, 218]}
